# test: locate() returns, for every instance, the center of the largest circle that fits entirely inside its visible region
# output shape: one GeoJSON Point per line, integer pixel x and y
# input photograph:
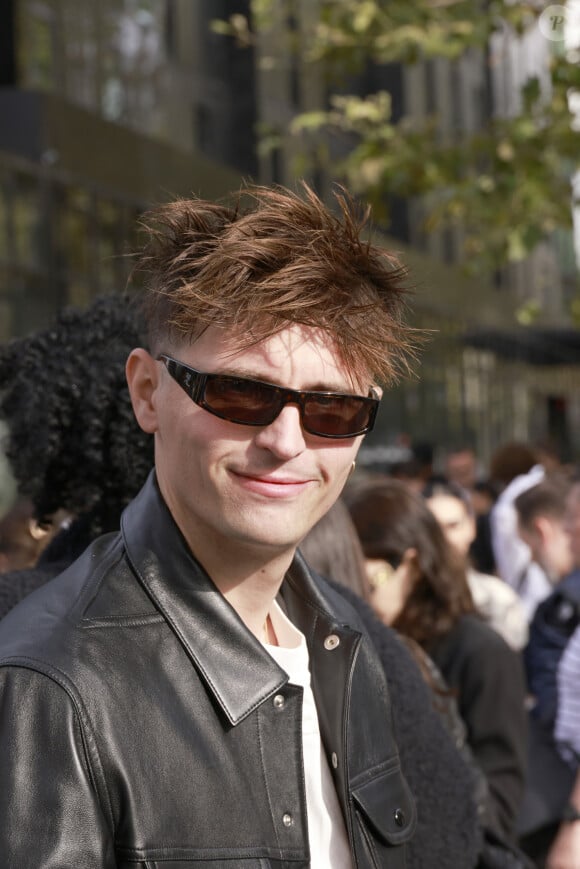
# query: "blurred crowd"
{"type": "Point", "coordinates": [479, 568]}
{"type": "Point", "coordinates": [476, 568]}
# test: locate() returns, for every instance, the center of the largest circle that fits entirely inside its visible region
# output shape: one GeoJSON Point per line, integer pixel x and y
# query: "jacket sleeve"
{"type": "Point", "coordinates": [49, 812]}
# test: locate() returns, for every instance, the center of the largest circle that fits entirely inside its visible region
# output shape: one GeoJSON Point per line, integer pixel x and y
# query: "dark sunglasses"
{"type": "Point", "coordinates": [253, 402]}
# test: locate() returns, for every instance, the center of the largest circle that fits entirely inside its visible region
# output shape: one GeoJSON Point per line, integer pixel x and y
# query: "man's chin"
{"type": "Point", "coordinates": [271, 540]}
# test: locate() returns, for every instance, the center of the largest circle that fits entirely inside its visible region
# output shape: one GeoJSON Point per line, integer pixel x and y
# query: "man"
{"type": "Point", "coordinates": [542, 525]}
{"type": "Point", "coordinates": [461, 466]}
{"type": "Point", "coordinates": [187, 693]}
{"type": "Point", "coordinates": [547, 516]}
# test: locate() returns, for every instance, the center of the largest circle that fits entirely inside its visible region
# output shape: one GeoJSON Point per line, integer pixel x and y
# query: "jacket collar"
{"type": "Point", "coordinates": [236, 668]}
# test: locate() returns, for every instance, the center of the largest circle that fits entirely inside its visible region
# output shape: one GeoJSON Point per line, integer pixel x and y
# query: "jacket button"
{"type": "Point", "coordinates": [334, 760]}
{"type": "Point", "coordinates": [287, 820]}
{"type": "Point", "coordinates": [331, 642]}
{"type": "Point", "coordinates": [399, 817]}
{"type": "Point", "coordinates": [278, 701]}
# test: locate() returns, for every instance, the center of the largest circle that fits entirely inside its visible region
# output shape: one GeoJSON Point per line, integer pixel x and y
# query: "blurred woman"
{"type": "Point", "coordinates": [419, 586]}
{"type": "Point", "coordinates": [447, 793]}
{"type": "Point", "coordinates": [494, 598]}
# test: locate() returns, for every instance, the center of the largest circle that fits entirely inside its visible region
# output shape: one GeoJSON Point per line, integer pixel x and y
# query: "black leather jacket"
{"type": "Point", "coordinates": [141, 722]}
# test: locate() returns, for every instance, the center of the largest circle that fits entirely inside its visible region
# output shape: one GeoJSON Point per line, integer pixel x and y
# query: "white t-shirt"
{"type": "Point", "coordinates": [329, 847]}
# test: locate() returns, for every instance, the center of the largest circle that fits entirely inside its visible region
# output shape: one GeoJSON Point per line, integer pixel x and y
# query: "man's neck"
{"type": "Point", "coordinates": [249, 579]}
{"type": "Point", "coordinates": [247, 573]}
{"type": "Point", "coordinates": [254, 612]}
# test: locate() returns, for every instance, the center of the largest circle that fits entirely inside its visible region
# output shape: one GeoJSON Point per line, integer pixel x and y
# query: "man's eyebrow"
{"type": "Point", "coordinates": [318, 386]}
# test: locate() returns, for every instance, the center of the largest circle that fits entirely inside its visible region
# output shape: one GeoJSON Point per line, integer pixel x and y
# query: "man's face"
{"type": "Point", "coordinates": [550, 546]}
{"type": "Point", "coordinates": [236, 487]}
{"type": "Point", "coordinates": [461, 468]}
{"type": "Point", "coordinates": [572, 522]}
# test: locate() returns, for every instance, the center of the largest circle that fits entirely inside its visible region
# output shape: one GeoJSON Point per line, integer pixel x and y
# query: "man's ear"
{"type": "Point", "coordinates": [142, 373]}
{"type": "Point", "coordinates": [543, 528]}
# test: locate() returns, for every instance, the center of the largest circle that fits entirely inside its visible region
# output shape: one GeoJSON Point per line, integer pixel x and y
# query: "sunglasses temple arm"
{"type": "Point", "coordinates": [192, 382]}
{"type": "Point", "coordinates": [199, 387]}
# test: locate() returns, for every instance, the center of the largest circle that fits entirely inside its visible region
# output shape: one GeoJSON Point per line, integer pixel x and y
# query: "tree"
{"type": "Point", "coordinates": [507, 184]}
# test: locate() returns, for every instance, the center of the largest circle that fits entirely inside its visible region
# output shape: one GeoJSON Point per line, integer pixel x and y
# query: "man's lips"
{"type": "Point", "coordinates": [273, 486]}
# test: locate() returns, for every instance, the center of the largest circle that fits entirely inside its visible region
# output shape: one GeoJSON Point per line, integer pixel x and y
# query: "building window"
{"type": "Point", "coordinates": [430, 87]}
{"type": "Point", "coordinates": [170, 30]}
{"type": "Point", "coordinates": [293, 25]}
{"type": "Point", "coordinates": [203, 128]}
{"type": "Point", "coordinates": [456, 97]}
{"type": "Point", "coordinates": [276, 166]}
{"type": "Point", "coordinates": [448, 245]}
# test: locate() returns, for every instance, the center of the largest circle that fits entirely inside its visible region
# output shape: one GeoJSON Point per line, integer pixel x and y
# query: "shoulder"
{"type": "Point", "coordinates": [501, 606]}
{"type": "Point", "coordinates": [471, 631]}
{"type": "Point", "coordinates": [16, 585]}
{"type": "Point", "coordinates": [493, 585]}
{"type": "Point", "coordinates": [473, 649]}
{"type": "Point", "coordinates": [404, 678]}
{"type": "Point", "coordinates": [48, 622]}
{"type": "Point", "coordinates": [385, 640]}
{"type": "Point", "coordinates": [343, 603]}
{"type": "Point", "coordinates": [61, 552]}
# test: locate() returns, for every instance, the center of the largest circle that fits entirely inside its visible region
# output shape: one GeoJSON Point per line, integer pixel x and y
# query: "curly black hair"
{"type": "Point", "coordinates": [73, 442]}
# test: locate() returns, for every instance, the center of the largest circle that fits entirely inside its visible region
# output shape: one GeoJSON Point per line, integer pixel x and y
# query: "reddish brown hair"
{"type": "Point", "coordinates": [274, 258]}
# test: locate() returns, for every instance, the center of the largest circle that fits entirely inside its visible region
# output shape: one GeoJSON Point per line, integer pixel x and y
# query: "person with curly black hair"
{"type": "Point", "coordinates": [73, 443]}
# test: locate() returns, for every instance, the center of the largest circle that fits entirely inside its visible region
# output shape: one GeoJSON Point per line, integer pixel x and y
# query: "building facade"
{"type": "Point", "coordinates": [483, 378]}
{"type": "Point", "coordinates": [96, 125]}
{"type": "Point", "coordinates": [109, 107]}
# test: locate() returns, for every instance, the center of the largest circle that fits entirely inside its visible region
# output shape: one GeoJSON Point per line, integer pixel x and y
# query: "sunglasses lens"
{"type": "Point", "coordinates": [336, 416]}
{"type": "Point", "coordinates": [241, 400]}
{"type": "Point", "coordinates": [250, 402]}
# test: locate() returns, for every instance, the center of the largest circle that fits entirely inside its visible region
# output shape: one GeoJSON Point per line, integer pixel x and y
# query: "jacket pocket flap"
{"type": "Point", "coordinates": [388, 805]}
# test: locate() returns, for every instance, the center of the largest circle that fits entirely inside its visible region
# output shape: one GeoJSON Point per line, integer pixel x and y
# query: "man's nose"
{"type": "Point", "coordinates": [285, 436]}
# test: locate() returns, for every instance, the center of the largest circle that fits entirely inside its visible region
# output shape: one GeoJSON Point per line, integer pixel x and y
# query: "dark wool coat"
{"type": "Point", "coordinates": [487, 677]}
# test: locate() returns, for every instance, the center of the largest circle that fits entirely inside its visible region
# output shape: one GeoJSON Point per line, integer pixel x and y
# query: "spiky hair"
{"type": "Point", "coordinates": [271, 259]}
